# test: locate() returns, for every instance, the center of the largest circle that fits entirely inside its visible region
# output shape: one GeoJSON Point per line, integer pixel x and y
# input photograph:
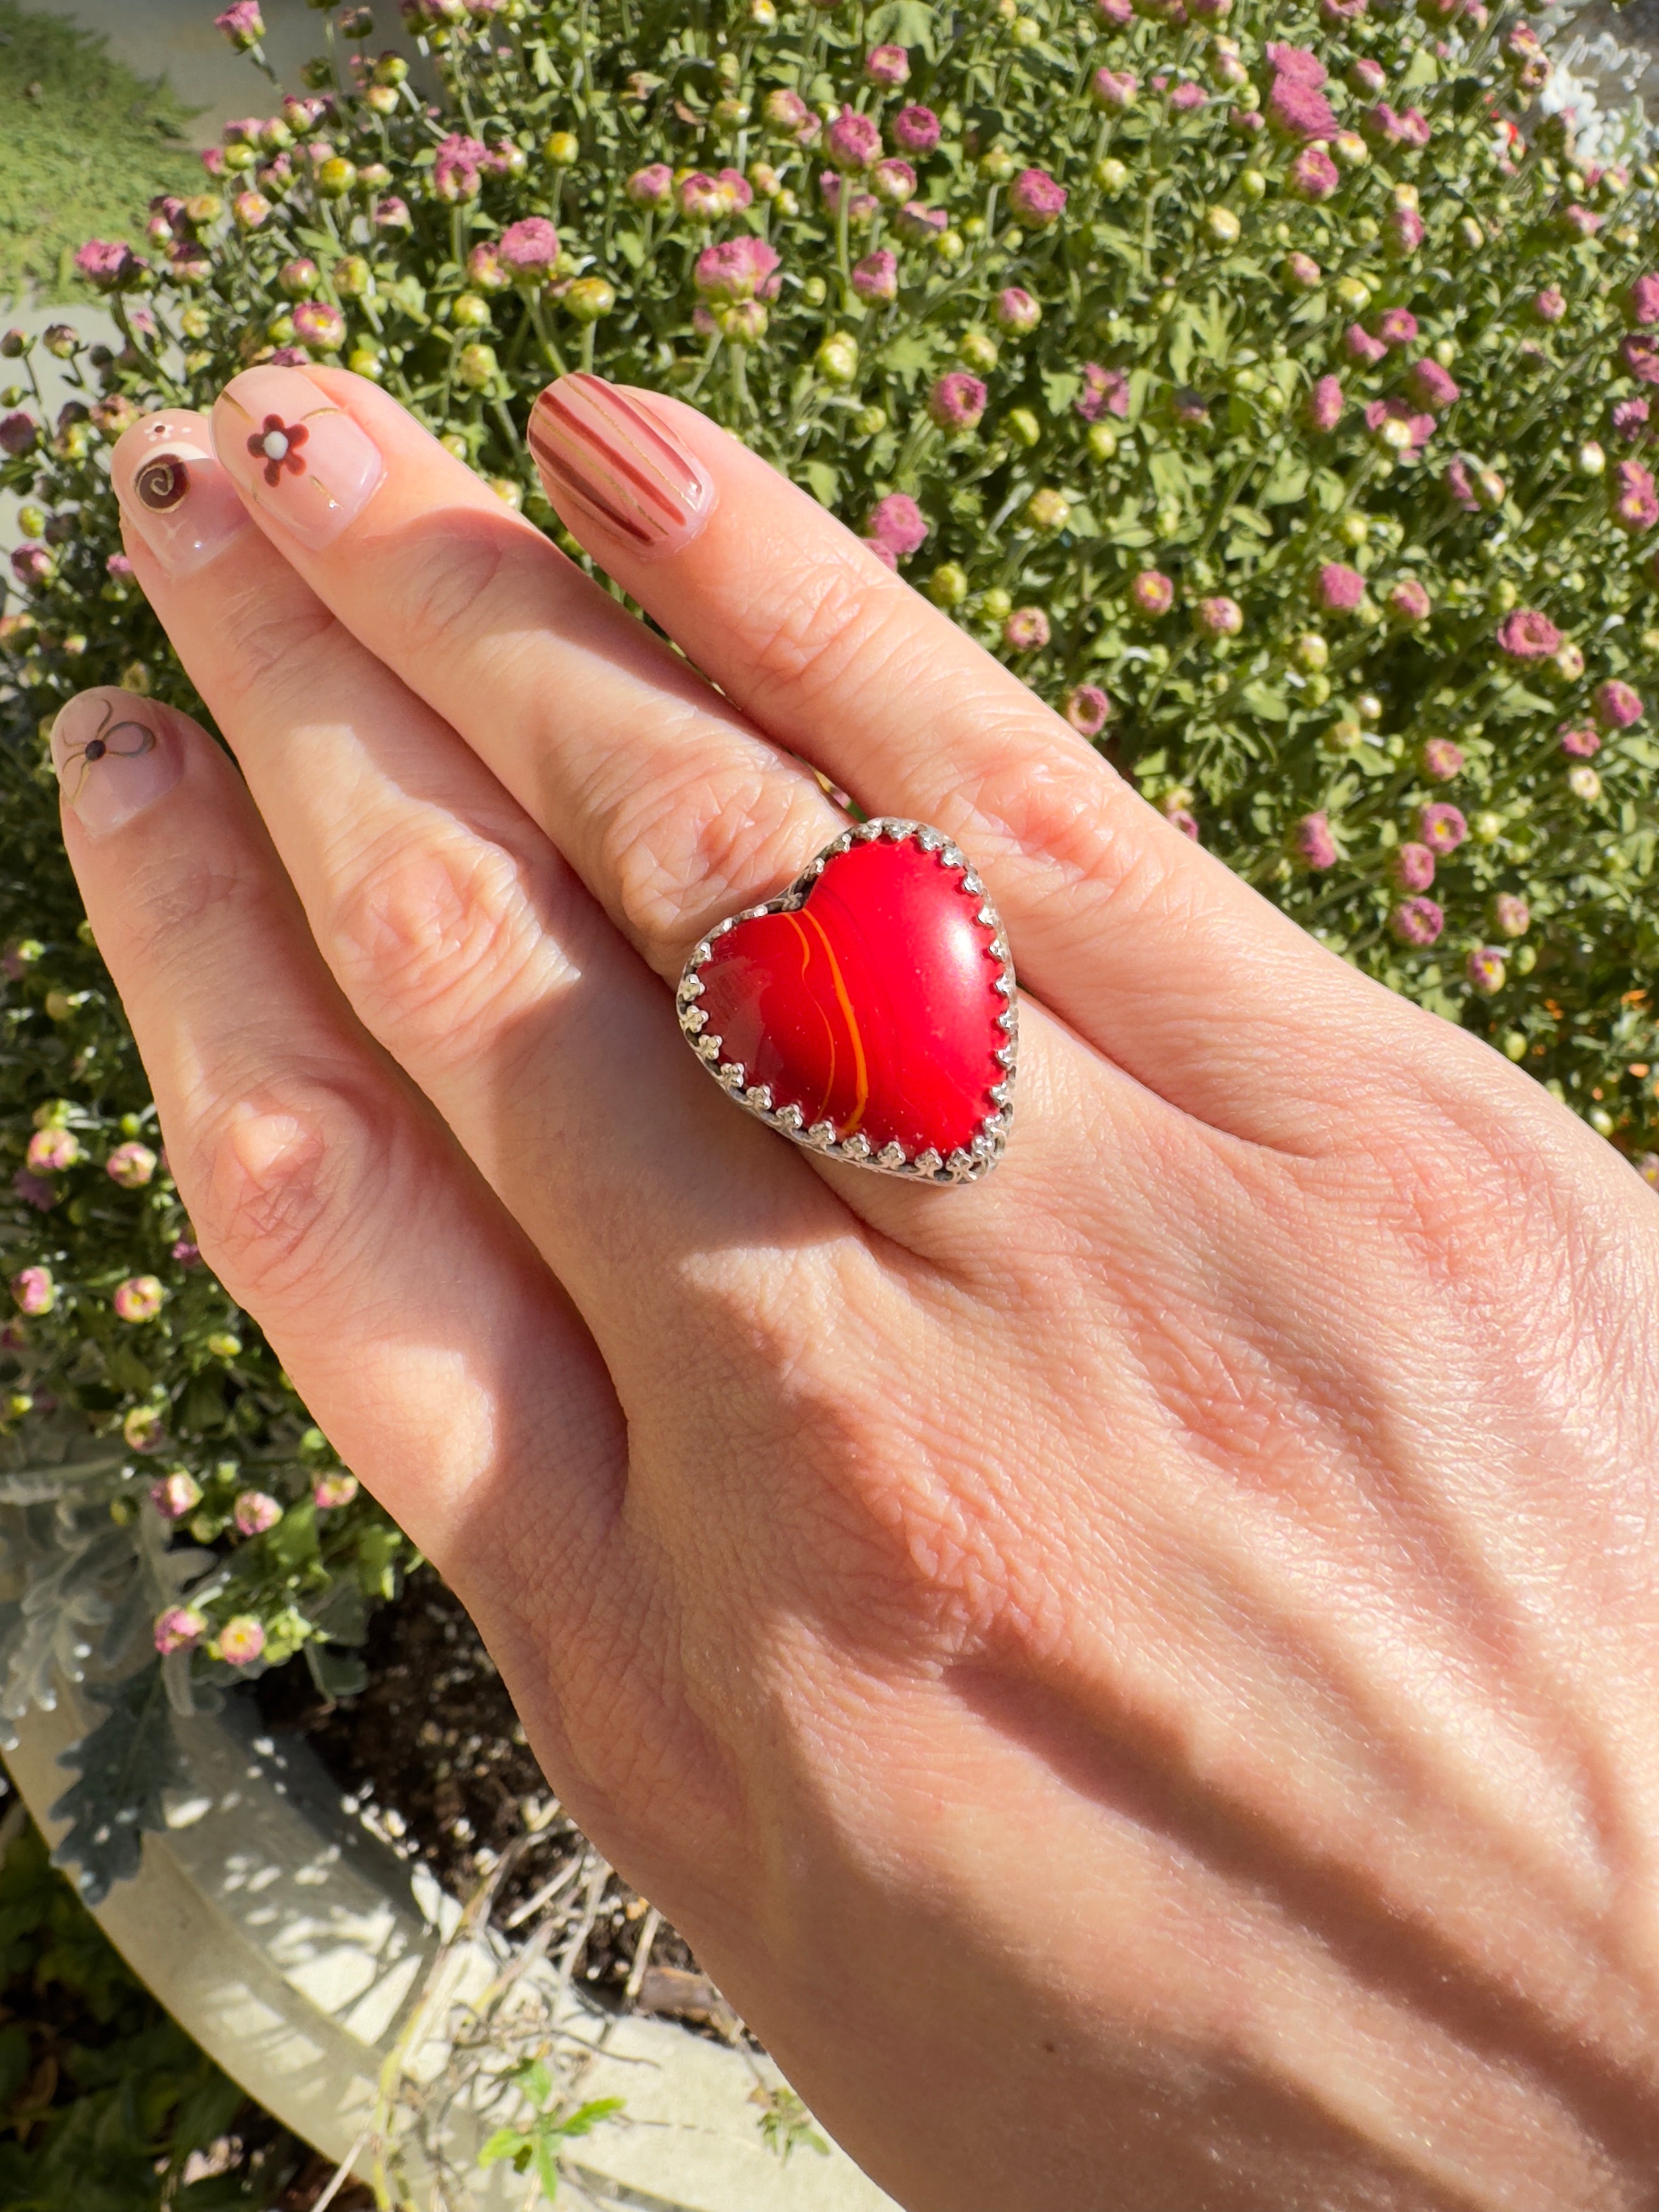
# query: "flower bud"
{"type": "Point", "coordinates": [589, 300]}
{"type": "Point", "coordinates": [176, 1494]}
{"type": "Point", "coordinates": [1047, 509]}
{"type": "Point", "coordinates": [254, 1511]}
{"type": "Point", "coordinates": [1417, 922]}
{"type": "Point", "coordinates": [336, 177]}
{"type": "Point", "coordinates": [1016, 312]}
{"type": "Point", "coordinates": [837, 358]}
{"type": "Point", "coordinates": [1511, 915]}
{"type": "Point", "coordinates": [1315, 845]}
{"type": "Point", "coordinates": [979, 349]}
{"type": "Point", "coordinates": [1110, 175]}
{"type": "Point", "coordinates": [1023, 426]}
{"type": "Point", "coordinates": [957, 401]}
{"type": "Point", "coordinates": [1310, 652]}
{"type": "Point", "coordinates": [1222, 225]}
{"type": "Point", "coordinates": [1440, 760]}
{"type": "Point", "coordinates": [1087, 709]}
{"type": "Point", "coordinates": [319, 326]}
{"type": "Point", "coordinates": [1218, 618]}
{"type": "Point", "coordinates": [331, 1491]}
{"type": "Point", "coordinates": [240, 1641]}
{"type": "Point", "coordinates": [1485, 970]}
{"type": "Point", "coordinates": [1102, 442]}
{"type": "Point", "coordinates": [1302, 272]}
{"type": "Point", "coordinates": [139, 1299]}
{"type": "Point", "coordinates": [561, 150]}
{"type": "Point", "coordinates": [1441, 827]}
{"type": "Point", "coordinates": [33, 1291]}
{"type": "Point", "coordinates": [948, 585]}
{"type": "Point", "coordinates": [130, 1165]}
{"type": "Point", "coordinates": [1616, 706]}
{"type": "Point", "coordinates": [179, 1628]}
{"type": "Point", "coordinates": [1026, 631]}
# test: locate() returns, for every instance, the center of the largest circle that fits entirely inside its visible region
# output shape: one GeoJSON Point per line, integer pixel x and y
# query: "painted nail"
{"type": "Point", "coordinates": [115, 755]}
{"type": "Point", "coordinates": [295, 453]}
{"type": "Point", "coordinates": [598, 451]}
{"type": "Point", "coordinates": [172, 492]}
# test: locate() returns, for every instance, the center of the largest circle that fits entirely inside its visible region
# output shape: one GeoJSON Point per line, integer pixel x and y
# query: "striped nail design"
{"type": "Point", "coordinates": [598, 449]}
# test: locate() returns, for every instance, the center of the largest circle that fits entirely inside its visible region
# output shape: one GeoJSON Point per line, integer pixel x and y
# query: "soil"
{"type": "Point", "coordinates": [432, 1756]}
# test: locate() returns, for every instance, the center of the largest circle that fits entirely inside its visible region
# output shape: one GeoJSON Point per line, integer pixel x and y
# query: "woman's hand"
{"type": "Point", "coordinates": [1137, 1674]}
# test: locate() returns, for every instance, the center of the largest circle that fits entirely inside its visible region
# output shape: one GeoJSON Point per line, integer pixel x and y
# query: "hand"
{"type": "Point", "coordinates": [1137, 1675]}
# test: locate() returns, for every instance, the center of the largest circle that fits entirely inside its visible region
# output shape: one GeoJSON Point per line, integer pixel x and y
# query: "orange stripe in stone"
{"type": "Point", "coordinates": [860, 1070]}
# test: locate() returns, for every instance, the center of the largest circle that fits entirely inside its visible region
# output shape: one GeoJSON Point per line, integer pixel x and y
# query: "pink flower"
{"type": "Point", "coordinates": [1430, 383]}
{"type": "Point", "coordinates": [1642, 301]}
{"type": "Point", "coordinates": [31, 564]}
{"type": "Point", "coordinates": [186, 1253]}
{"type": "Point", "coordinates": [241, 24]}
{"type": "Point", "coordinates": [254, 1511]}
{"type": "Point", "coordinates": [1339, 588]}
{"type": "Point", "coordinates": [1441, 759]}
{"type": "Point", "coordinates": [1178, 817]}
{"type": "Point", "coordinates": [704, 198]}
{"type": "Point", "coordinates": [178, 1628]}
{"type": "Point", "coordinates": [737, 268]}
{"type": "Point", "coordinates": [130, 1165]}
{"type": "Point", "coordinates": [853, 142]}
{"type": "Point", "coordinates": [1630, 419]}
{"type": "Point", "coordinates": [458, 167]}
{"type": "Point", "coordinates": [1113, 90]}
{"type": "Point", "coordinates": [1411, 867]}
{"type": "Point", "coordinates": [898, 522]}
{"type": "Point", "coordinates": [1115, 15]}
{"type": "Point", "coordinates": [1103, 390]}
{"type": "Point", "coordinates": [1485, 970]}
{"type": "Point", "coordinates": [1151, 593]}
{"type": "Point", "coordinates": [1219, 618]}
{"type": "Point", "coordinates": [1087, 709]}
{"type": "Point", "coordinates": [887, 66]}
{"type": "Point", "coordinates": [1341, 11]}
{"type": "Point", "coordinates": [921, 224]}
{"type": "Point", "coordinates": [1414, 128]}
{"type": "Point", "coordinates": [787, 113]}
{"type": "Point", "coordinates": [884, 554]}
{"type": "Point", "coordinates": [138, 1298]}
{"type": "Point", "coordinates": [1511, 915]}
{"type": "Point", "coordinates": [176, 1495]}
{"type": "Point", "coordinates": [240, 1641]}
{"type": "Point", "coordinates": [318, 325]}
{"type": "Point", "coordinates": [1460, 485]}
{"type": "Point", "coordinates": [1016, 311]}
{"type": "Point", "coordinates": [1581, 221]}
{"type": "Point", "coordinates": [50, 1150]}
{"type": "Point", "coordinates": [18, 433]}
{"type": "Point", "coordinates": [1408, 602]}
{"type": "Point", "coordinates": [1366, 78]}
{"type": "Point", "coordinates": [1397, 327]}
{"type": "Point", "coordinates": [1403, 227]}
{"type": "Point", "coordinates": [107, 265]}
{"type": "Point", "coordinates": [1300, 64]}
{"type": "Point", "coordinates": [1579, 742]}
{"type": "Point", "coordinates": [875, 278]}
{"type": "Point", "coordinates": [1315, 847]}
{"type": "Point", "coordinates": [1036, 199]}
{"type": "Point", "coordinates": [1419, 428]}
{"type": "Point", "coordinates": [1527, 635]}
{"type": "Point", "coordinates": [893, 181]}
{"type": "Point", "coordinates": [1417, 921]}
{"type": "Point", "coordinates": [144, 1430]}
{"type": "Point", "coordinates": [651, 187]}
{"type": "Point", "coordinates": [916, 129]}
{"type": "Point", "coordinates": [1616, 705]}
{"type": "Point", "coordinates": [1361, 346]}
{"type": "Point", "coordinates": [957, 401]}
{"type": "Point", "coordinates": [1549, 305]}
{"type": "Point", "coordinates": [33, 1291]}
{"type": "Point", "coordinates": [1296, 109]}
{"type": "Point", "coordinates": [1441, 827]}
{"type": "Point", "coordinates": [1635, 505]}
{"type": "Point", "coordinates": [1186, 96]}
{"type": "Point", "coordinates": [329, 1491]}
{"type": "Point", "coordinates": [1313, 174]}
{"type": "Point", "coordinates": [1326, 403]}
{"type": "Point", "coordinates": [1302, 272]}
{"type": "Point", "coordinates": [393, 214]}
{"type": "Point", "coordinates": [1641, 357]}
{"type": "Point", "coordinates": [530, 248]}
{"type": "Point", "coordinates": [1026, 631]}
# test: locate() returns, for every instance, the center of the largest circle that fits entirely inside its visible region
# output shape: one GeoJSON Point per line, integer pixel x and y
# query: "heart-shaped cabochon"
{"type": "Point", "coordinates": [868, 1013]}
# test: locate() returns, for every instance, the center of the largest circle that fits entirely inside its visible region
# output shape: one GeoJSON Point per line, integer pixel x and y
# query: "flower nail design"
{"type": "Point", "coordinates": [277, 445]}
{"type": "Point", "coordinates": [162, 482]}
{"type": "Point", "coordinates": [86, 756]}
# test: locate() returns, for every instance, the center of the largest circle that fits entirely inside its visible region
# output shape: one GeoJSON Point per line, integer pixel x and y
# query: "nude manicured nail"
{"type": "Point", "coordinates": [115, 755]}
{"type": "Point", "coordinates": [295, 454]}
{"type": "Point", "coordinates": [599, 450]}
{"type": "Point", "coordinates": [172, 492]}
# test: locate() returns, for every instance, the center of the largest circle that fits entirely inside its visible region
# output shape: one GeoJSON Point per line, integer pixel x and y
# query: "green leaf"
{"type": "Point", "coordinates": [1264, 701]}
{"type": "Point", "coordinates": [631, 246]}
{"type": "Point", "coordinates": [1289, 481]}
{"type": "Point", "coordinates": [124, 1765]}
{"type": "Point", "coordinates": [547, 2168]}
{"type": "Point", "coordinates": [337, 1673]}
{"type": "Point", "coordinates": [903, 23]}
{"type": "Point", "coordinates": [1060, 388]}
{"type": "Point", "coordinates": [1168, 475]}
{"type": "Point", "coordinates": [586, 2118]}
{"type": "Point", "coordinates": [822, 482]}
{"type": "Point", "coordinates": [1422, 69]}
{"type": "Point", "coordinates": [506, 2142]}
{"type": "Point", "coordinates": [907, 356]}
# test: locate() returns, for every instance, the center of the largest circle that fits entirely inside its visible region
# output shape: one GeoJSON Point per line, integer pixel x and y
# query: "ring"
{"type": "Point", "coordinates": [868, 1012]}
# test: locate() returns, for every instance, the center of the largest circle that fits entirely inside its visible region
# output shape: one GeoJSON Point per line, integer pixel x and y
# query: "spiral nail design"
{"type": "Point", "coordinates": [162, 483]}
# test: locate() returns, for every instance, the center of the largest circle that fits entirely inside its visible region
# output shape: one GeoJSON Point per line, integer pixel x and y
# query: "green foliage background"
{"type": "Point", "coordinates": [83, 144]}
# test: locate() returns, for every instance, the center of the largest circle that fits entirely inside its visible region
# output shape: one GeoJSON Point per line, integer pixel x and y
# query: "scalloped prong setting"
{"type": "Point", "coordinates": [990, 1139]}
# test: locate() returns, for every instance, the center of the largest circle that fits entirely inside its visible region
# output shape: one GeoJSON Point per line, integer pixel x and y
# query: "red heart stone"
{"type": "Point", "coordinates": [869, 998]}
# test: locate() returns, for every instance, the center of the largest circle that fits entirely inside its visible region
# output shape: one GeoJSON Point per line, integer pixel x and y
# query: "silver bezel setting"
{"type": "Point", "coordinates": [992, 1137]}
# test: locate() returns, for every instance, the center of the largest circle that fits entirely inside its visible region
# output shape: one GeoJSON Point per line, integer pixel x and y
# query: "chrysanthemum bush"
{"type": "Point", "coordinates": [1267, 385]}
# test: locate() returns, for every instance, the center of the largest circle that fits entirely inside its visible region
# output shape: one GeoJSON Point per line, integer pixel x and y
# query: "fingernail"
{"type": "Point", "coordinates": [172, 492]}
{"type": "Point", "coordinates": [295, 454]}
{"type": "Point", "coordinates": [596, 449]}
{"type": "Point", "coordinates": [115, 755]}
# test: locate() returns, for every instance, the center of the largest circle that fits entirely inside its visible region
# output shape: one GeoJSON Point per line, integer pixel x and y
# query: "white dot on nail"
{"type": "Point", "coordinates": [276, 445]}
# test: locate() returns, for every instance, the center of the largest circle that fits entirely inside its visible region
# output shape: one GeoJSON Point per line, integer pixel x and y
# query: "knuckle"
{"type": "Point", "coordinates": [437, 933]}
{"type": "Point", "coordinates": [444, 576]}
{"type": "Point", "coordinates": [689, 844]}
{"type": "Point", "coordinates": [825, 626]}
{"type": "Point", "coordinates": [276, 633]}
{"type": "Point", "coordinates": [288, 1184]}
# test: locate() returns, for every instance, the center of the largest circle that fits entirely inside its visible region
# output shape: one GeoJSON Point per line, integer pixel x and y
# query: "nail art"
{"type": "Point", "coordinates": [596, 448]}
{"type": "Point", "coordinates": [172, 492]}
{"type": "Point", "coordinates": [114, 757]}
{"type": "Point", "coordinates": [296, 454]}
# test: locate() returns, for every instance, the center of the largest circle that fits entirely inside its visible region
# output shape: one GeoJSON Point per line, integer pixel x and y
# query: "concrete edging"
{"type": "Point", "coordinates": [294, 1948]}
